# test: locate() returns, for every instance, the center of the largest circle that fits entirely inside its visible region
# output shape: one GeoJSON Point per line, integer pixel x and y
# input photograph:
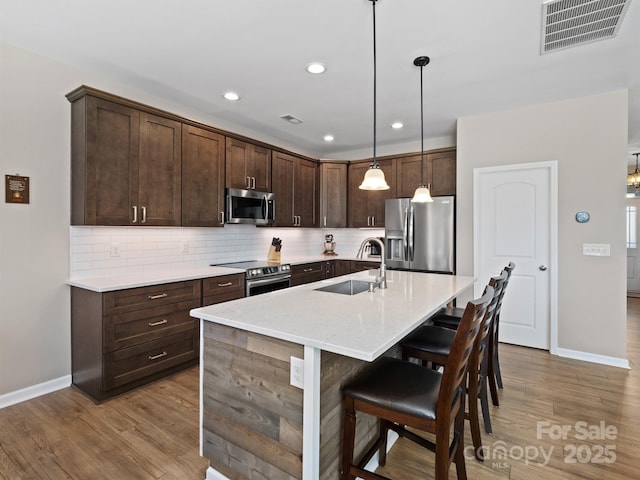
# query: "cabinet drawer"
{"type": "Point", "coordinates": [129, 364]}
{"type": "Point", "coordinates": [130, 329]}
{"type": "Point", "coordinates": [122, 301]}
{"type": "Point", "coordinates": [223, 288]}
{"type": "Point", "coordinates": [306, 273]}
{"type": "Point", "coordinates": [357, 266]}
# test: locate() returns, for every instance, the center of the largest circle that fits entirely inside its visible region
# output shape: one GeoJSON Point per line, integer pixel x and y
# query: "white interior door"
{"type": "Point", "coordinates": [633, 252]}
{"type": "Point", "coordinates": [514, 218]}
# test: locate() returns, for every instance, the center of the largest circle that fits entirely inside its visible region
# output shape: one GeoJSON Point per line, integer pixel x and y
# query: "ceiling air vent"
{"type": "Point", "coordinates": [291, 119]}
{"type": "Point", "coordinates": [568, 23]}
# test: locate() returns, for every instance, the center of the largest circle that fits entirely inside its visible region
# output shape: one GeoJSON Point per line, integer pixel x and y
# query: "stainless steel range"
{"type": "Point", "coordinates": [262, 276]}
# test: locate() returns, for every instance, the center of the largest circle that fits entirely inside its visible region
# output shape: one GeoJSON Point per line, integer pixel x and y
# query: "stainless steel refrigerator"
{"type": "Point", "coordinates": [420, 236]}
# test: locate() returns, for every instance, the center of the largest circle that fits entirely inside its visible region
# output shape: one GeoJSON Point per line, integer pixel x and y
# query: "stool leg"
{"type": "Point", "coordinates": [348, 438]}
{"type": "Point", "coordinates": [383, 434]}
{"type": "Point", "coordinates": [474, 420]}
{"type": "Point", "coordinates": [484, 403]}
{"type": "Point", "coordinates": [461, 469]}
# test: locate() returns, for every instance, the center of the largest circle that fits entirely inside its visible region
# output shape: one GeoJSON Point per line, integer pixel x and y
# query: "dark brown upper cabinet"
{"type": "Point", "coordinates": [333, 195]}
{"type": "Point", "coordinates": [295, 189]}
{"type": "Point", "coordinates": [366, 207]}
{"type": "Point", "coordinates": [125, 164]}
{"type": "Point", "coordinates": [248, 166]}
{"type": "Point", "coordinates": [203, 176]}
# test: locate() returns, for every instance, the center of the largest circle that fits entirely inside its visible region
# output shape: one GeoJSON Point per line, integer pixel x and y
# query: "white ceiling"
{"type": "Point", "coordinates": [485, 57]}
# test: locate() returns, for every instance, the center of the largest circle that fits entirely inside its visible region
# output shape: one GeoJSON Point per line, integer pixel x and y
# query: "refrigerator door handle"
{"type": "Point", "coordinates": [410, 233]}
{"type": "Point", "coordinates": [405, 234]}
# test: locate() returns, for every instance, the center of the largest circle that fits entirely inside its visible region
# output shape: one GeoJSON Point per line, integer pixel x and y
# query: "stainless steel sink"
{"type": "Point", "coordinates": [348, 287]}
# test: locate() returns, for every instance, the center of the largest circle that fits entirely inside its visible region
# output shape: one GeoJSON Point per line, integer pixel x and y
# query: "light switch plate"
{"type": "Point", "coordinates": [596, 249]}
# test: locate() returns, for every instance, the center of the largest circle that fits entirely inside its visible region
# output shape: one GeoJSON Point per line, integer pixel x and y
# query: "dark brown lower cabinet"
{"type": "Point", "coordinates": [307, 273]}
{"type": "Point", "coordinates": [123, 339]}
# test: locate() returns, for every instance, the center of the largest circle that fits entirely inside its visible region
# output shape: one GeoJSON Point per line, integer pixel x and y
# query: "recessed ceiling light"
{"type": "Point", "coordinates": [328, 138]}
{"type": "Point", "coordinates": [397, 125]}
{"type": "Point", "coordinates": [233, 96]}
{"type": "Point", "coordinates": [316, 68]}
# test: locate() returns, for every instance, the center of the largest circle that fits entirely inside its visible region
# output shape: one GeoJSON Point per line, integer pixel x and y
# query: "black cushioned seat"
{"type": "Point", "coordinates": [448, 317]}
{"type": "Point", "coordinates": [408, 388]}
{"type": "Point", "coordinates": [439, 339]}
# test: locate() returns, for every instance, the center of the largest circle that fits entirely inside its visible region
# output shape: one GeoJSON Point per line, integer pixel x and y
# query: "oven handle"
{"type": "Point", "coordinates": [266, 281]}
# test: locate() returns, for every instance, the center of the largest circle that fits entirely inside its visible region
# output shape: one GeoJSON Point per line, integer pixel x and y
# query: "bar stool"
{"type": "Point", "coordinates": [450, 317]}
{"type": "Point", "coordinates": [432, 344]}
{"type": "Point", "coordinates": [403, 394]}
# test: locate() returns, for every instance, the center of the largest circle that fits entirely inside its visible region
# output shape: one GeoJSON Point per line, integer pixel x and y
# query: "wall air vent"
{"type": "Point", "coordinates": [291, 119]}
{"type": "Point", "coordinates": [569, 23]}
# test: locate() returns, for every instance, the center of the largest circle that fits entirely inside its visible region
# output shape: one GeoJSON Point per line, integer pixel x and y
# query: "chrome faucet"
{"type": "Point", "coordinates": [382, 277]}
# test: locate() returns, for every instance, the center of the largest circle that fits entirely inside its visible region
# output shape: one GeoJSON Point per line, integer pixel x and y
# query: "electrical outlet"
{"type": "Point", "coordinates": [114, 251]}
{"type": "Point", "coordinates": [297, 372]}
{"type": "Point", "coordinates": [184, 246]}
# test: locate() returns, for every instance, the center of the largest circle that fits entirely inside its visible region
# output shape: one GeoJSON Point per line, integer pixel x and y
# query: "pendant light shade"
{"type": "Point", "coordinates": [422, 194]}
{"type": "Point", "coordinates": [374, 177]}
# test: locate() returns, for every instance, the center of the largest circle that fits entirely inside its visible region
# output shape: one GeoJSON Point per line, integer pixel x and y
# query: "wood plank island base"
{"type": "Point", "coordinates": [254, 423]}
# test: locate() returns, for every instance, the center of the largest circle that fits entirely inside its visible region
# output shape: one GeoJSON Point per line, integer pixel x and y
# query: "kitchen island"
{"type": "Point", "coordinates": [254, 424]}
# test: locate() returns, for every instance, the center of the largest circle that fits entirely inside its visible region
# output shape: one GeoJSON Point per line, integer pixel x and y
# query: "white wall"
{"type": "Point", "coordinates": [588, 138]}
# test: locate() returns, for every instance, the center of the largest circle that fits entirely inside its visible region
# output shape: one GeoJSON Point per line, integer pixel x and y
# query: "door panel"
{"type": "Point", "coordinates": [512, 222]}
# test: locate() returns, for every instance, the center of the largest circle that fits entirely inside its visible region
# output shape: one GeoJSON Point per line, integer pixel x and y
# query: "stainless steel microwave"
{"type": "Point", "coordinates": [250, 206]}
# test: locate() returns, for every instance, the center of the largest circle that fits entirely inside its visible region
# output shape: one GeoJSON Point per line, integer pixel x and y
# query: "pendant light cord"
{"type": "Point", "coordinates": [375, 162]}
{"type": "Point", "coordinates": [421, 131]}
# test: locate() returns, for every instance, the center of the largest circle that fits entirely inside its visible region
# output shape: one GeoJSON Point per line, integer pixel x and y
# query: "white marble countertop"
{"type": "Point", "coordinates": [143, 279]}
{"type": "Point", "coordinates": [362, 326]}
{"type": "Point", "coordinates": [178, 274]}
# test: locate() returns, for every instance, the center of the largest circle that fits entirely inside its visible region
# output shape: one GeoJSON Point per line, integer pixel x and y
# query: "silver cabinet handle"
{"type": "Point", "coordinates": [253, 182]}
{"type": "Point", "coordinates": [160, 355]}
{"type": "Point", "coordinates": [248, 183]}
{"type": "Point", "coordinates": [373, 221]}
{"type": "Point", "coordinates": [308, 270]}
{"type": "Point", "coordinates": [228, 284]}
{"type": "Point", "coordinates": [135, 214]}
{"type": "Point", "coordinates": [221, 218]}
{"type": "Point", "coordinates": [160, 322]}
{"type": "Point", "coordinates": [325, 221]}
{"type": "Point", "coordinates": [144, 214]}
{"type": "Point", "coordinates": [155, 297]}
{"type": "Point", "coordinates": [542, 267]}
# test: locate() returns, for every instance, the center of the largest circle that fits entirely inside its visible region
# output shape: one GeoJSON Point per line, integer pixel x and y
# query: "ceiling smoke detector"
{"type": "Point", "coordinates": [568, 23]}
{"type": "Point", "coordinates": [291, 119]}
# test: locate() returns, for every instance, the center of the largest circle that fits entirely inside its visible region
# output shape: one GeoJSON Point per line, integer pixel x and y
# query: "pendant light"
{"type": "Point", "coordinates": [422, 194]}
{"type": "Point", "coordinates": [374, 177]}
{"type": "Point", "coordinates": [634, 178]}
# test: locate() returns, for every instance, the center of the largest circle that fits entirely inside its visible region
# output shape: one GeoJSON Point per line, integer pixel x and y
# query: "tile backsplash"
{"type": "Point", "coordinates": [108, 251]}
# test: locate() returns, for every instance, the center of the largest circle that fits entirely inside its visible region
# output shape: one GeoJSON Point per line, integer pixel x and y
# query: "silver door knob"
{"type": "Point", "coordinates": [542, 267]}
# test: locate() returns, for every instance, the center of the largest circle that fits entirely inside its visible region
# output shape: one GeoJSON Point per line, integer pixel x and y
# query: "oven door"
{"type": "Point", "coordinates": [265, 285]}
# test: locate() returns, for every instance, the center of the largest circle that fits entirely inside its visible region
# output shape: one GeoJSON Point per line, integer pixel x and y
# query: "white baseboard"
{"type": "Point", "coordinates": [34, 391]}
{"type": "Point", "coordinates": [593, 358]}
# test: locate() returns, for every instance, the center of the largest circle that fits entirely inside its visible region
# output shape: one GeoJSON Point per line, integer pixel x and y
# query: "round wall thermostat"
{"type": "Point", "coordinates": [582, 217]}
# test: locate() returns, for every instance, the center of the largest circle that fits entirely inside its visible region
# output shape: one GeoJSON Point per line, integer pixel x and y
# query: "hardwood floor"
{"type": "Point", "coordinates": [152, 433]}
